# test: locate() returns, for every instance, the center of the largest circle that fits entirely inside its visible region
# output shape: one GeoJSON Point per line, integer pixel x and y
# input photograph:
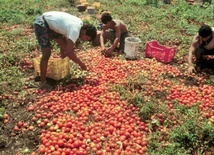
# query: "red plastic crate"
{"type": "Point", "coordinates": [160, 52]}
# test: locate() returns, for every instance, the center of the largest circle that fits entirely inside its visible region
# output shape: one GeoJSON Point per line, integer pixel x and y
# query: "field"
{"type": "Point", "coordinates": [118, 107]}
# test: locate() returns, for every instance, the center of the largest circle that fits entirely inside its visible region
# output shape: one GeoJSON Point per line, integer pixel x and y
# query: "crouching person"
{"type": "Point", "coordinates": [64, 29]}
{"type": "Point", "coordinates": [202, 44]}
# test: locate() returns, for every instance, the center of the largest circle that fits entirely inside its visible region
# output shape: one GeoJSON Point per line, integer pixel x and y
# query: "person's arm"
{"type": "Point", "coordinates": [190, 56]}
{"type": "Point", "coordinates": [102, 36]}
{"type": "Point", "coordinates": [62, 42]}
{"type": "Point", "coordinates": [192, 49]}
{"type": "Point", "coordinates": [70, 53]}
{"type": "Point", "coordinates": [117, 38]}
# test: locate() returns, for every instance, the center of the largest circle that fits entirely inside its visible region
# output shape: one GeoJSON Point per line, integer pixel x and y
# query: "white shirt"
{"type": "Point", "coordinates": [64, 23]}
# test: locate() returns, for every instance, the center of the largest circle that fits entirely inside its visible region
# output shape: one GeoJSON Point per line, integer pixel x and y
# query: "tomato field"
{"type": "Point", "coordinates": [117, 107]}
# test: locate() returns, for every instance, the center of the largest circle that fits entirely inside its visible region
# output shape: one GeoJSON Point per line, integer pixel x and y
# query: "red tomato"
{"type": "Point", "coordinates": [60, 143]}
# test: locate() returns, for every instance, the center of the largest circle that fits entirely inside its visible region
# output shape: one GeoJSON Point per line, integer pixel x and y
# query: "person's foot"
{"type": "Point", "coordinates": [45, 86]}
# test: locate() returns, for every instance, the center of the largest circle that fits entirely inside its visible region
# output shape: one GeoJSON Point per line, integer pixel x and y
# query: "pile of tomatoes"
{"type": "Point", "coordinates": [92, 119]}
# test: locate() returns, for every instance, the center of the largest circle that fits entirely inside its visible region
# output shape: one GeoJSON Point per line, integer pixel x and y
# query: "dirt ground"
{"type": "Point", "coordinates": [14, 142]}
{"type": "Point", "coordinates": [24, 140]}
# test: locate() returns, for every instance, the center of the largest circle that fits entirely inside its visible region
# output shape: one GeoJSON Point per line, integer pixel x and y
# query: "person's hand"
{"type": "Point", "coordinates": [103, 51]}
{"type": "Point", "coordinates": [74, 65]}
{"type": "Point", "coordinates": [191, 69]}
{"type": "Point", "coordinates": [108, 52]}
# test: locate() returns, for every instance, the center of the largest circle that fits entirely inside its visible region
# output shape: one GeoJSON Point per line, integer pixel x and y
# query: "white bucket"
{"type": "Point", "coordinates": [131, 47]}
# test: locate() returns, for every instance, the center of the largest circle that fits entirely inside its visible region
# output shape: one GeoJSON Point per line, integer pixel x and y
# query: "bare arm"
{"type": "Point", "coordinates": [62, 42]}
{"type": "Point", "coordinates": [190, 56]}
{"type": "Point", "coordinates": [102, 36]}
{"type": "Point", "coordinates": [70, 53]}
{"type": "Point", "coordinates": [117, 37]}
{"type": "Point", "coordinates": [192, 49]}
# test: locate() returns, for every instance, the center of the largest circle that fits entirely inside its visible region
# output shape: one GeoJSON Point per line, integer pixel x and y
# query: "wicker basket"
{"type": "Point", "coordinates": [57, 68]}
{"type": "Point", "coordinates": [159, 52]}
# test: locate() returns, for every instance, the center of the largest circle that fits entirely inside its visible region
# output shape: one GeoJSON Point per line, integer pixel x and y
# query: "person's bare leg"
{"type": "Point", "coordinates": [46, 52]}
{"type": "Point", "coordinates": [62, 45]}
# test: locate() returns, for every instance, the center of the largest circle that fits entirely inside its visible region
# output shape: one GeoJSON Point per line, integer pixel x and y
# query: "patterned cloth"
{"type": "Point", "coordinates": [43, 33]}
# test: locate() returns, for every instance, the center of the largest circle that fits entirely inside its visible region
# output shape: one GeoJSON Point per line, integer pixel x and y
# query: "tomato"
{"type": "Point", "coordinates": [77, 144]}
{"type": "Point", "coordinates": [30, 108]}
{"type": "Point", "coordinates": [67, 151]}
{"type": "Point", "coordinates": [42, 149]}
{"type": "Point", "coordinates": [16, 128]}
{"type": "Point", "coordinates": [20, 124]}
{"type": "Point", "coordinates": [60, 143]}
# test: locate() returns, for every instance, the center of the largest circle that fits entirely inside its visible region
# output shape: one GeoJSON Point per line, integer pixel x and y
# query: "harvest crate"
{"type": "Point", "coordinates": [159, 52]}
{"type": "Point", "coordinates": [57, 69]}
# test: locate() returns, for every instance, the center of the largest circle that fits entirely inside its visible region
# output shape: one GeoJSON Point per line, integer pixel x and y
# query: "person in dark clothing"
{"type": "Point", "coordinates": [202, 44]}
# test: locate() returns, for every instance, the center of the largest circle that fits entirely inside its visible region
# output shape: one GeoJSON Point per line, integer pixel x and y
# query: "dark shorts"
{"type": "Point", "coordinates": [43, 33]}
{"type": "Point", "coordinates": [122, 40]}
{"type": "Point", "coordinates": [112, 35]}
{"type": "Point", "coordinates": [200, 60]}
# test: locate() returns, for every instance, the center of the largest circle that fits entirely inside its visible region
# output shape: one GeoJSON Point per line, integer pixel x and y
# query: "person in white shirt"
{"type": "Point", "coordinates": [202, 44]}
{"type": "Point", "coordinates": [64, 29]}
